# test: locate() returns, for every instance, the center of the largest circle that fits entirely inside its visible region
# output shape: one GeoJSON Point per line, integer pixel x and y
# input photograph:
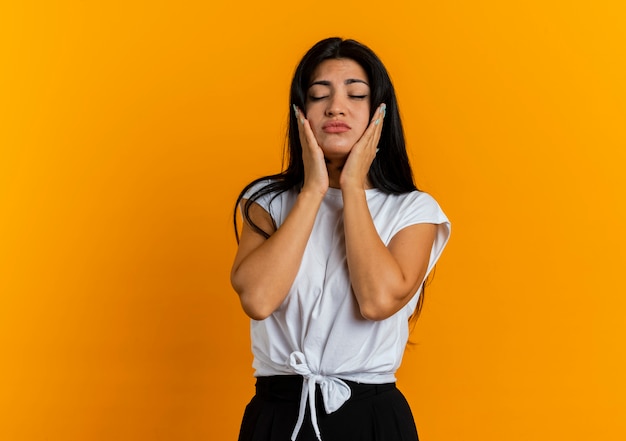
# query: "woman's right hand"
{"type": "Point", "coordinates": [315, 171]}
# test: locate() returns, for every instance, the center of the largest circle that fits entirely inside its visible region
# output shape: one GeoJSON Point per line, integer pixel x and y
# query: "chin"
{"type": "Point", "coordinates": [337, 147]}
{"type": "Point", "coordinates": [336, 152]}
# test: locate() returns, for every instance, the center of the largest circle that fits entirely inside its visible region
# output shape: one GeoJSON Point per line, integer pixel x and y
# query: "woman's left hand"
{"type": "Point", "coordinates": [357, 166]}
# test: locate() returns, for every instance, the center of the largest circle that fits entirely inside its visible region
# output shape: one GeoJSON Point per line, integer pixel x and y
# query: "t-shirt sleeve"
{"type": "Point", "coordinates": [421, 208]}
{"type": "Point", "coordinates": [267, 201]}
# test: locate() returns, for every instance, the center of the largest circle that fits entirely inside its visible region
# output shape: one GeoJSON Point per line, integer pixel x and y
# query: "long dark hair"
{"type": "Point", "coordinates": [390, 171]}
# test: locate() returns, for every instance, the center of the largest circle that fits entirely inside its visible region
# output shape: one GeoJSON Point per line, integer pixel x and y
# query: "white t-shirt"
{"type": "Point", "coordinates": [318, 331]}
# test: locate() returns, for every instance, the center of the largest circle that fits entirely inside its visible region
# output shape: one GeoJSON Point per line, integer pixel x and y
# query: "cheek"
{"type": "Point", "coordinates": [316, 129]}
{"type": "Point", "coordinates": [365, 116]}
{"type": "Point", "coordinates": [313, 118]}
{"type": "Point", "coordinates": [363, 123]}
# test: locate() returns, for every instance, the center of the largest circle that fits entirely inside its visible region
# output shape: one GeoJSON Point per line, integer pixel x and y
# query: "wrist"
{"type": "Point", "coordinates": [353, 185]}
{"type": "Point", "coordinates": [353, 190]}
{"type": "Point", "coordinates": [312, 195]}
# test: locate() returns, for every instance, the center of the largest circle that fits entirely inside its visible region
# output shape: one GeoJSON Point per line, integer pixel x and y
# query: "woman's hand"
{"type": "Point", "coordinates": [315, 171]}
{"type": "Point", "coordinates": [357, 166]}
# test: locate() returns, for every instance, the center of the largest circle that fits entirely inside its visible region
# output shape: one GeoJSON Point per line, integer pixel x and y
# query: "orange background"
{"type": "Point", "coordinates": [127, 130]}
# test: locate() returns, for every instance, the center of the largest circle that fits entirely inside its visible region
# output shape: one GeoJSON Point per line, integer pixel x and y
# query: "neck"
{"type": "Point", "coordinates": [334, 167]}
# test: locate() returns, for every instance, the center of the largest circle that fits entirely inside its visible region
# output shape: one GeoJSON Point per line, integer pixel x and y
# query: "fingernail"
{"type": "Point", "coordinates": [377, 121]}
{"type": "Point", "coordinates": [295, 110]}
{"type": "Point", "coordinates": [377, 150]}
{"type": "Point", "coordinates": [383, 110]}
{"type": "Point", "coordinates": [302, 121]}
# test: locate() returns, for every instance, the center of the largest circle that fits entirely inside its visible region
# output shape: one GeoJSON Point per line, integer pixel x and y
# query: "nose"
{"type": "Point", "coordinates": [336, 106]}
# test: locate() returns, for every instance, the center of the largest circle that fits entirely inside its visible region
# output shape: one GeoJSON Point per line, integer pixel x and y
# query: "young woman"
{"type": "Point", "coordinates": [332, 258]}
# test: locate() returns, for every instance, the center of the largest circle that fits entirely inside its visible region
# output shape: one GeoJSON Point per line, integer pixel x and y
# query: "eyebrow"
{"type": "Point", "coordinates": [346, 82]}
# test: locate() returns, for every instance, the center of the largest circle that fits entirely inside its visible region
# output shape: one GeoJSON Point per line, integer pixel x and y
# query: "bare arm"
{"type": "Point", "coordinates": [264, 269]}
{"type": "Point", "coordinates": [384, 278]}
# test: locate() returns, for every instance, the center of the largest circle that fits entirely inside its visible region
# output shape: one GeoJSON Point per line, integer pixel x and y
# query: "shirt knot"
{"type": "Point", "coordinates": [335, 392]}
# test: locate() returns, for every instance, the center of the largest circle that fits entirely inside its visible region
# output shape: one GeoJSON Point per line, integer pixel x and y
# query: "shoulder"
{"type": "Point", "coordinates": [273, 195]}
{"type": "Point", "coordinates": [414, 204]}
{"type": "Point", "coordinates": [256, 187]}
{"type": "Point", "coordinates": [425, 204]}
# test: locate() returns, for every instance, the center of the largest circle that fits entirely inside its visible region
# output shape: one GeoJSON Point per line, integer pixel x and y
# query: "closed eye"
{"type": "Point", "coordinates": [358, 97]}
{"type": "Point", "coordinates": [317, 98]}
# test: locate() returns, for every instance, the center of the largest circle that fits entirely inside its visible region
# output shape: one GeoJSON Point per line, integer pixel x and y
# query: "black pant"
{"type": "Point", "coordinates": [374, 412]}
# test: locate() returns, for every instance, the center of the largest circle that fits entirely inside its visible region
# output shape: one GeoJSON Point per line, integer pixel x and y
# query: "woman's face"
{"type": "Point", "coordinates": [338, 105]}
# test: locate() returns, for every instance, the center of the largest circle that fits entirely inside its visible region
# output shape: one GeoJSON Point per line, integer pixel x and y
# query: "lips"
{"type": "Point", "coordinates": [335, 127]}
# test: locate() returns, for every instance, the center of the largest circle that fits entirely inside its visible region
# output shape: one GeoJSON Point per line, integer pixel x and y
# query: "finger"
{"type": "Point", "coordinates": [300, 121]}
{"type": "Point", "coordinates": [366, 137]}
{"type": "Point", "coordinates": [378, 124]}
{"type": "Point", "coordinates": [377, 120]}
{"type": "Point", "coordinates": [311, 141]}
{"type": "Point", "coordinates": [371, 136]}
{"type": "Point", "coordinates": [380, 116]}
{"type": "Point", "coordinates": [305, 132]}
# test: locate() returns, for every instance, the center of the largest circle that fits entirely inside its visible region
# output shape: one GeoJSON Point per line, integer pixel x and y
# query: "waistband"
{"type": "Point", "coordinates": [288, 388]}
